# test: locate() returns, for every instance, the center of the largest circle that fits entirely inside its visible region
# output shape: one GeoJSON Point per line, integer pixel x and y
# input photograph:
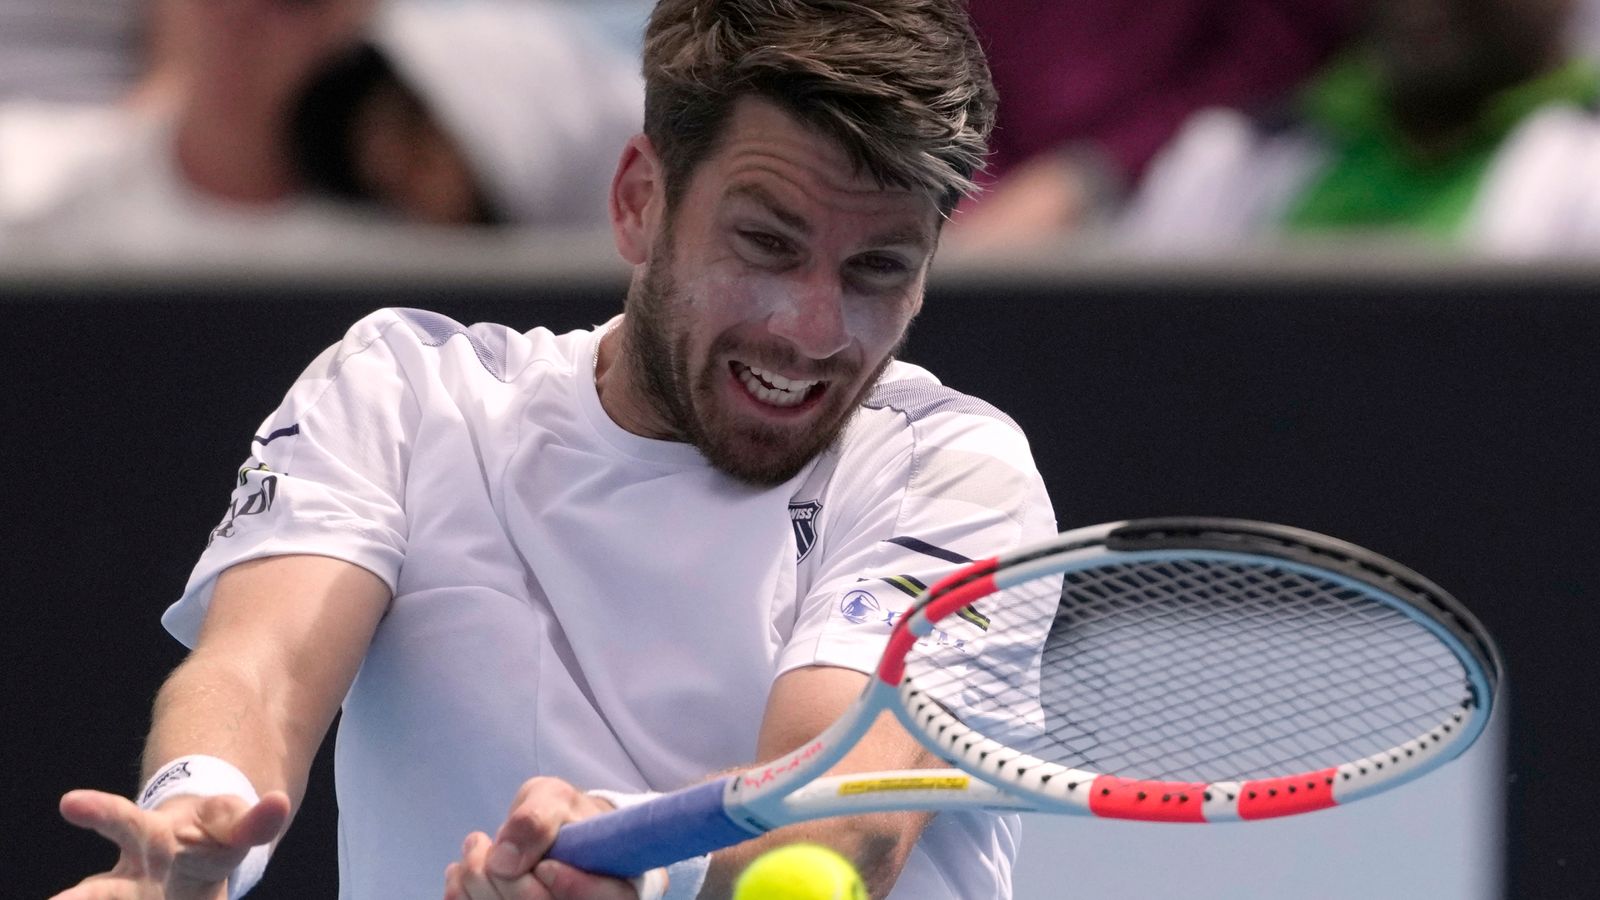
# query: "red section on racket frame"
{"type": "Point", "coordinates": [1152, 801]}
{"type": "Point", "coordinates": [1286, 796]}
{"type": "Point", "coordinates": [893, 665]}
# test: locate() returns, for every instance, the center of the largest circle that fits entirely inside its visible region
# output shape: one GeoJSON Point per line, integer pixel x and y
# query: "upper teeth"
{"type": "Point", "coordinates": [770, 387]}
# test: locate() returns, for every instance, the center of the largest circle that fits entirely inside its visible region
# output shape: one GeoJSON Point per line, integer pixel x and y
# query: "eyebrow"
{"type": "Point", "coordinates": [761, 197]}
{"type": "Point", "coordinates": [910, 235]}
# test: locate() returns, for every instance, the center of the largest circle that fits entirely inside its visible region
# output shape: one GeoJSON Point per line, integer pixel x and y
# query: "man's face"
{"type": "Point", "coordinates": [773, 298]}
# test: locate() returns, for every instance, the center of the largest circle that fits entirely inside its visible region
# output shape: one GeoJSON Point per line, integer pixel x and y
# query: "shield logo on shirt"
{"type": "Point", "coordinates": [804, 518]}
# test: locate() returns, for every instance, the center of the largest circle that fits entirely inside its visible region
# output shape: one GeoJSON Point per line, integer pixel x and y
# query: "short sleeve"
{"type": "Point", "coordinates": [955, 481]}
{"type": "Point", "coordinates": [326, 471]}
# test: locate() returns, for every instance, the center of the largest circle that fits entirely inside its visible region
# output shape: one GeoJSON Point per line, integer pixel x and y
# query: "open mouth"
{"type": "Point", "coordinates": [774, 389]}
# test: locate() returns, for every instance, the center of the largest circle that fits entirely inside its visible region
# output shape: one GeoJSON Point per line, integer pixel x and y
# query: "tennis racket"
{"type": "Point", "coordinates": [1170, 670]}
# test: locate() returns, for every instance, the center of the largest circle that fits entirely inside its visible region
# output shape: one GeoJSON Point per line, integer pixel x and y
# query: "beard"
{"type": "Point", "coordinates": [655, 345]}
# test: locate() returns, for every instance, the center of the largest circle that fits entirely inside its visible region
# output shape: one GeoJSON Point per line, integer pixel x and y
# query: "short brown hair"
{"type": "Point", "coordinates": [902, 85]}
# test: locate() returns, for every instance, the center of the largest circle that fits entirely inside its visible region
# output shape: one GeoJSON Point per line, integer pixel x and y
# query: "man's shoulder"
{"type": "Point", "coordinates": [909, 416]}
{"type": "Point", "coordinates": [925, 461]}
{"type": "Point", "coordinates": [917, 396]}
{"type": "Point", "coordinates": [440, 343]}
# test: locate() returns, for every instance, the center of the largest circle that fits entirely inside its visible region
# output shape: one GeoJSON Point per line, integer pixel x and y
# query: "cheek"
{"type": "Point", "coordinates": [725, 300]}
{"type": "Point", "coordinates": [878, 322]}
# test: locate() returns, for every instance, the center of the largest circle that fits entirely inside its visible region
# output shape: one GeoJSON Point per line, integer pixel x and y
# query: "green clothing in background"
{"type": "Point", "coordinates": [1373, 180]}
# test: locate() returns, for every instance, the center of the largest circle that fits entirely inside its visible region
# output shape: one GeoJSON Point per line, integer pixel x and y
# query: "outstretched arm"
{"type": "Point", "coordinates": [280, 645]}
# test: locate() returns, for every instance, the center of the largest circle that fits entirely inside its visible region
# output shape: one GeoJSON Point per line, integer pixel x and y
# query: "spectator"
{"type": "Point", "coordinates": [1461, 121]}
{"type": "Point", "coordinates": [197, 150]}
{"type": "Point", "coordinates": [493, 111]}
{"type": "Point", "coordinates": [1090, 90]}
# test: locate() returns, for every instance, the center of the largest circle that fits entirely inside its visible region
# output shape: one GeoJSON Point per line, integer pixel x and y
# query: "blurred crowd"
{"type": "Point", "coordinates": [166, 129]}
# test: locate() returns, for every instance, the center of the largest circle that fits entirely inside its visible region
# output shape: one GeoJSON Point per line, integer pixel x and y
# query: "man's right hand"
{"type": "Point", "coordinates": [182, 850]}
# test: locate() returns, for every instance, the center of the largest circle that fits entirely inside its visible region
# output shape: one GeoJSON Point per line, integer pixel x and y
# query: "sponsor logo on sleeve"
{"type": "Point", "coordinates": [251, 504]}
{"type": "Point", "coordinates": [862, 607]}
{"type": "Point", "coordinates": [803, 516]}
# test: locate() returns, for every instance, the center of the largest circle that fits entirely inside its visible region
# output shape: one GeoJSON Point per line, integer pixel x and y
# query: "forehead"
{"type": "Point", "coordinates": [765, 148]}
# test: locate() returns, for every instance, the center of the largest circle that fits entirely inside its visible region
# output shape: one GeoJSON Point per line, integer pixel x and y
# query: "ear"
{"type": "Point", "coordinates": [637, 199]}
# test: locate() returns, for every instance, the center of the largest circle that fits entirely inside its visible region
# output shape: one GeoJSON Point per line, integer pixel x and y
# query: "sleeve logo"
{"type": "Point", "coordinates": [253, 504]}
{"type": "Point", "coordinates": [860, 607]}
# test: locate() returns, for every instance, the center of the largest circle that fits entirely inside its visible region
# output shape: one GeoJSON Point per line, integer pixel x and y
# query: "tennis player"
{"type": "Point", "coordinates": [546, 574]}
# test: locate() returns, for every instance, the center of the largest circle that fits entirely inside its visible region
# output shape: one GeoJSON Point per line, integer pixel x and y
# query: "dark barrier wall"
{"type": "Point", "coordinates": [1449, 424]}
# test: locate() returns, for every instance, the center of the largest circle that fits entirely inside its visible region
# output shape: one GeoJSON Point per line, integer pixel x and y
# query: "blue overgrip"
{"type": "Point", "coordinates": [658, 832]}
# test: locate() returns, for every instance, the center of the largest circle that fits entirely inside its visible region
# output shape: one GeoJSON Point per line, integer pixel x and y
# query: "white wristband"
{"type": "Point", "coordinates": [679, 881]}
{"type": "Point", "coordinates": [198, 775]}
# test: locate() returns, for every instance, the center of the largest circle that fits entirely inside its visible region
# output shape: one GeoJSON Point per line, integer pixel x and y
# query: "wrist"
{"type": "Point", "coordinates": [199, 775]}
{"type": "Point", "coordinates": [195, 775]}
{"type": "Point", "coordinates": [681, 880]}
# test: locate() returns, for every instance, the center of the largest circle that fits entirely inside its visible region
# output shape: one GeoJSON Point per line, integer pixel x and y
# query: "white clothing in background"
{"type": "Point", "coordinates": [540, 102]}
{"type": "Point", "coordinates": [1225, 183]}
{"type": "Point", "coordinates": [101, 183]}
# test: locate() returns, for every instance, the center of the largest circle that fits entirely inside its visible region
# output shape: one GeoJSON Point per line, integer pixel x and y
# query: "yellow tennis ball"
{"type": "Point", "coordinates": [800, 872]}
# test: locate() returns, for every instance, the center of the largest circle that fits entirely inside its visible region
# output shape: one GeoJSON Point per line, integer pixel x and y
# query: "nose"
{"type": "Point", "coordinates": [811, 317]}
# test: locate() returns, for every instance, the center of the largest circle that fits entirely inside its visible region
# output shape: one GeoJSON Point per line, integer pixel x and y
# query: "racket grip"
{"type": "Point", "coordinates": [658, 832]}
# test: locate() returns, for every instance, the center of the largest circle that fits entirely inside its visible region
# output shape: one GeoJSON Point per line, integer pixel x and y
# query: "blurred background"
{"type": "Point", "coordinates": [1326, 262]}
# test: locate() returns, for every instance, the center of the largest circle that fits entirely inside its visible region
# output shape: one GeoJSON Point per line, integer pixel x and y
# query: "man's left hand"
{"type": "Point", "coordinates": [512, 865]}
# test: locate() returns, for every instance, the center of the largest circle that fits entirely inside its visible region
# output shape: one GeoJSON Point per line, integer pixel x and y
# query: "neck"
{"type": "Point", "coordinates": [616, 381]}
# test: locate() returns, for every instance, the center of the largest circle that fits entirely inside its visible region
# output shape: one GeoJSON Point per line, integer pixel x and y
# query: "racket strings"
{"type": "Point", "coordinates": [1306, 740]}
{"type": "Point", "coordinates": [1184, 670]}
{"type": "Point", "coordinates": [1188, 682]}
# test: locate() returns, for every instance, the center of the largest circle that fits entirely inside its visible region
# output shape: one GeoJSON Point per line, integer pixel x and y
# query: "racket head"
{"type": "Point", "coordinates": [1192, 669]}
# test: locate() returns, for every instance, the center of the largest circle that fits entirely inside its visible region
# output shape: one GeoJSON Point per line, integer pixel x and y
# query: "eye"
{"type": "Point", "coordinates": [881, 265]}
{"type": "Point", "coordinates": [878, 272]}
{"type": "Point", "coordinates": [766, 242]}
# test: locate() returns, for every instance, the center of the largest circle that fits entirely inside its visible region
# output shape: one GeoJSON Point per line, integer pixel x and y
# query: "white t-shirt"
{"type": "Point", "coordinates": [101, 184]}
{"type": "Point", "coordinates": [1224, 182]}
{"type": "Point", "coordinates": [546, 159]}
{"type": "Point", "coordinates": [571, 599]}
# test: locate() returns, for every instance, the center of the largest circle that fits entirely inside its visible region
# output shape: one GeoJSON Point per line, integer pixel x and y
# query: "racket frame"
{"type": "Point", "coordinates": [988, 775]}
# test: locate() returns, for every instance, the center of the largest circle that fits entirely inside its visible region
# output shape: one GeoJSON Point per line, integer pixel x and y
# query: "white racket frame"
{"type": "Point", "coordinates": [989, 775]}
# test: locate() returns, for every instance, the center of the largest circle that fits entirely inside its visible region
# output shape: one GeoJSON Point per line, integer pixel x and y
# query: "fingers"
{"type": "Point", "coordinates": [223, 819]}
{"type": "Point", "coordinates": [77, 805]}
{"type": "Point", "coordinates": [503, 869]}
{"type": "Point", "coordinates": [567, 883]}
{"type": "Point", "coordinates": [86, 809]}
{"type": "Point", "coordinates": [541, 807]}
{"type": "Point", "coordinates": [114, 818]}
{"type": "Point", "coordinates": [188, 845]}
{"type": "Point", "coordinates": [550, 880]}
{"type": "Point", "coordinates": [226, 821]}
{"type": "Point", "coordinates": [470, 879]}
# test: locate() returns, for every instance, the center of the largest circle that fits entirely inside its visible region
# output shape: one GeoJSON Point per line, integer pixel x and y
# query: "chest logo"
{"type": "Point", "coordinates": [803, 516]}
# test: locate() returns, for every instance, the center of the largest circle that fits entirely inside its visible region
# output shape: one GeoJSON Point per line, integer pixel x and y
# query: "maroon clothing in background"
{"type": "Point", "coordinates": [1120, 76]}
